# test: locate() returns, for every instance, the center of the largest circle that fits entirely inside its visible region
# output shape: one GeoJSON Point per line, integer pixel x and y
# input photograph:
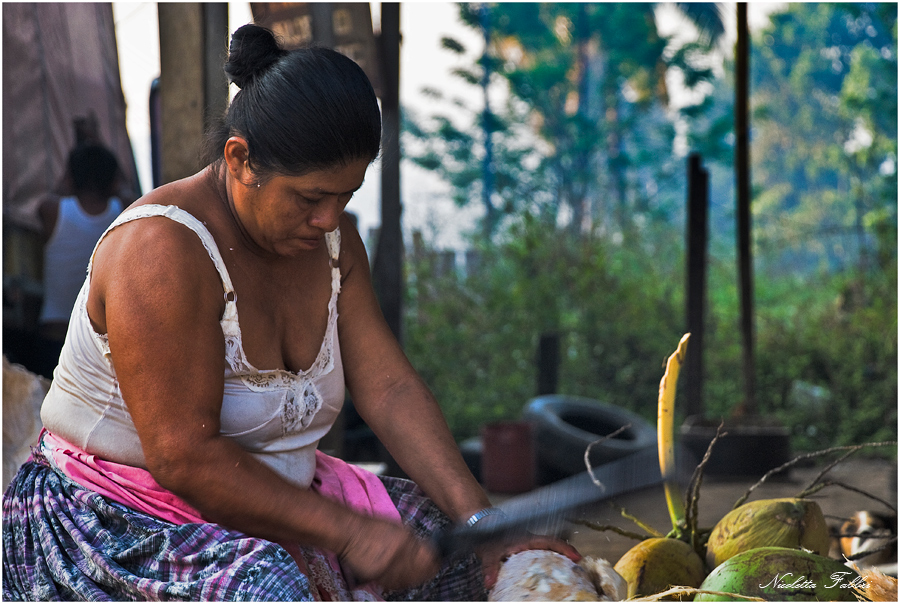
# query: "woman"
{"type": "Point", "coordinates": [161, 475]}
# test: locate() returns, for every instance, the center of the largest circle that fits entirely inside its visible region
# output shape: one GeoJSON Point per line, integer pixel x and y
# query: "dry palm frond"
{"type": "Point", "coordinates": [876, 586]}
{"type": "Point", "coordinates": [677, 591]}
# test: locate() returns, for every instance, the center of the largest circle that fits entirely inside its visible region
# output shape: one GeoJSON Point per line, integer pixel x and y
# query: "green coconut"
{"type": "Point", "coordinates": [787, 522]}
{"type": "Point", "coordinates": [653, 565]}
{"type": "Point", "coordinates": [781, 574]}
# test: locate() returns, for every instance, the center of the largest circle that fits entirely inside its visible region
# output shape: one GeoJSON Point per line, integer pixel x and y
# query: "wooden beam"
{"type": "Point", "coordinates": [215, 53]}
{"type": "Point", "coordinates": [697, 252]}
{"type": "Point", "coordinates": [744, 214]}
{"type": "Point", "coordinates": [387, 273]}
{"type": "Point", "coordinates": [181, 87]}
{"type": "Point", "coordinates": [192, 85]}
{"type": "Point", "coordinates": [548, 363]}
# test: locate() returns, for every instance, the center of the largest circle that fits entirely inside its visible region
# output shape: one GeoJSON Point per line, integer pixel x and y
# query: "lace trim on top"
{"type": "Point", "coordinates": [281, 378]}
{"type": "Point", "coordinates": [296, 414]}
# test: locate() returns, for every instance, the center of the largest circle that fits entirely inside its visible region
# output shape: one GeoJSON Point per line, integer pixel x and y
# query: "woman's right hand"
{"type": "Point", "coordinates": [388, 554]}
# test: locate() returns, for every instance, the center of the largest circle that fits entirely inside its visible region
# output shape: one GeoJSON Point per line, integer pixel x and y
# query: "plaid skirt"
{"type": "Point", "coordinates": [64, 542]}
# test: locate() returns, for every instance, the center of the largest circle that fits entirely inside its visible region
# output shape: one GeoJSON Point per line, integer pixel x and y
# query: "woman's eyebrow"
{"type": "Point", "coordinates": [321, 191]}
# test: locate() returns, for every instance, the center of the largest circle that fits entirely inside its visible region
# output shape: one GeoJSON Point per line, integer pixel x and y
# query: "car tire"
{"type": "Point", "coordinates": [564, 426]}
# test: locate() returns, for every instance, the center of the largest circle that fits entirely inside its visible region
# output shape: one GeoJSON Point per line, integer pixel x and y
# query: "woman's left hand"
{"type": "Point", "coordinates": [494, 554]}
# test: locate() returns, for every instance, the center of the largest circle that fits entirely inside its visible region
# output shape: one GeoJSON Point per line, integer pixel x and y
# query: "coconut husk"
{"type": "Point", "coordinates": [876, 586]}
{"type": "Point", "coordinates": [678, 591]}
{"type": "Point", "coordinates": [23, 393]}
{"type": "Point", "coordinates": [546, 576]}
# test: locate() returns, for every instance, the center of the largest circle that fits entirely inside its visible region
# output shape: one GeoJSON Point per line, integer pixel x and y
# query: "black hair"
{"type": "Point", "coordinates": [298, 110]}
{"type": "Point", "coordinates": [93, 168]}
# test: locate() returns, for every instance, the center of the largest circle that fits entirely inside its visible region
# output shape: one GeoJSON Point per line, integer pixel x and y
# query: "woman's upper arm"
{"type": "Point", "coordinates": [373, 359]}
{"type": "Point", "coordinates": [157, 294]}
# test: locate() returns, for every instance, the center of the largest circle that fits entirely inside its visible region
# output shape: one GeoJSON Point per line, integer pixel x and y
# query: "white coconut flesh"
{"type": "Point", "coordinates": [545, 576]}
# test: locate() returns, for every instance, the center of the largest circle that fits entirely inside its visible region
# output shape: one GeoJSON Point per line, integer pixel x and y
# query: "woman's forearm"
{"type": "Point", "coordinates": [412, 427]}
{"type": "Point", "coordinates": [229, 486]}
{"type": "Point", "coordinates": [232, 488]}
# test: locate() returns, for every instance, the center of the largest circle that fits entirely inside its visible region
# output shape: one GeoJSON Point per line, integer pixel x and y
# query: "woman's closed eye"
{"type": "Point", "coordinates": [343, 199]}
{"type": "Point", "coordinates": [310, 200]}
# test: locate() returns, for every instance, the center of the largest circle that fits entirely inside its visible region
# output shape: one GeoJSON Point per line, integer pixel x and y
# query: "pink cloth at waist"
{"type": "Point", "coordinates": [356, 488]}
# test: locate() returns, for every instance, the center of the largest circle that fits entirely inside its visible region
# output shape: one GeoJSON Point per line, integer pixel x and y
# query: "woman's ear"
{"type": "Point", "coordinates": [237, 158]}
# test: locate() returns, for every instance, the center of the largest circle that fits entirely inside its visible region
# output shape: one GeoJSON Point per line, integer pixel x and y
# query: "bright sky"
{"type": "Point", "coordinates": [422, 64]}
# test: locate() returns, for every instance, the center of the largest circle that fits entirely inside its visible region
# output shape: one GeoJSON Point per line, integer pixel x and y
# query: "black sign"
{"type": "Point", "coordinates": [343, 26]}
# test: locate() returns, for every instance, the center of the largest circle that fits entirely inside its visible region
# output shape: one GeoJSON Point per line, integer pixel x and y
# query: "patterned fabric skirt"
{"type": "Point", "coordinates": [64, 542]}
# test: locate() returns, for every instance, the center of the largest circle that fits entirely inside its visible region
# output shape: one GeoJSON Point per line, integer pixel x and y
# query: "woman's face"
{"type": "Point", "coordinates": [289, 215]}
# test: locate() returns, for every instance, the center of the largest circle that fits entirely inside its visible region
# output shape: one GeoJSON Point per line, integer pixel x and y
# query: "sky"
{"type": "Point", "coordinates": [426, 203]}
{"type": "Point", "coordinates": [425, 200]}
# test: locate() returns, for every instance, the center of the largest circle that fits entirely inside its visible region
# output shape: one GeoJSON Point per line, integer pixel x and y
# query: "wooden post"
{"type": "Point", "coordinates": [215, 53]}
{"type": "Point", "coordinates": [181, 87]}
{"type": "Point", "coordinates": [487, 168]}
{"type": "Point", "coordinates": [548, 364]}
{"type": "Point", "coordinates": [387, 270]}
{"type": "Point", "coordinates": [321, 13]}
{"type": "Point", "coordinates": [191, 81]}
{"type": "Point", "coordinates": [742, 176]}
{"type": "Point", "coordinates": [697, 249]}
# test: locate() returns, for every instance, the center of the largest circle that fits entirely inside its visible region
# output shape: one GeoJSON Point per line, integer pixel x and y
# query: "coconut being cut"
{"type": "Point", "coordinates": [545, 576]}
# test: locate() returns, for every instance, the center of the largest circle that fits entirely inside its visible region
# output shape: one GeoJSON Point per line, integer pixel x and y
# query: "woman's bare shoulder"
{"type": "Point", "coordinates": [191, 194]}
{"type": "Point", "coordinates": [153, 263]}
{"type": "Point", "coordinates": [155, 256]}
{"type": "Point", "coordinates": [159, 236]}
{"type": "Point", "coordinates": [353, 250]}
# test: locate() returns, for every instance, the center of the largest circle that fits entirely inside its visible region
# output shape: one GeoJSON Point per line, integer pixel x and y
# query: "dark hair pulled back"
{"type": "Point", "coordinates": [253, 50]}
{"type": "Point", "coordinates": [93, 168]}
{"type": "Point", "coordinates": [299, 110]}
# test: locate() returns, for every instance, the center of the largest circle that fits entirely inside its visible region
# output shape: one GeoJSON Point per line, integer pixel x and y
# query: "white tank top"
{"type": "Point", "coordinates": [67, 252]}
{"type": "Point", "coordinates": [277, 415]}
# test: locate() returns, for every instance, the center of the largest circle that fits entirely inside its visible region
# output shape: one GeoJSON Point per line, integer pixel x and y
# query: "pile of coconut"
{"type": "Point", "coordinates": [545, 576]}
{"type": "Point", "coordinates": [764, 550]}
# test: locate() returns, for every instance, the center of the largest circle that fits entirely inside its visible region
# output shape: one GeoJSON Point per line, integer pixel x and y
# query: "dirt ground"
{"type": "Point", "coordinates": [717, 497]}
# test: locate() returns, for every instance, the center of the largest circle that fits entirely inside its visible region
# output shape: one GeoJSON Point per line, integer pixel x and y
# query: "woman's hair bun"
{"type": "Point", "coordinates": [253, 50]}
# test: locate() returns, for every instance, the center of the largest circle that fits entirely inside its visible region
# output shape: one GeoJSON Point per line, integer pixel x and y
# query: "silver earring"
{"type": "Point", "coordinates": [258, 185]}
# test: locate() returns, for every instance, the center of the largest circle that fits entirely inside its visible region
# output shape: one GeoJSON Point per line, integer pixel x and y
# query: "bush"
{"type": "Point", "coordinates": [826, 345]}
{"type": "Point", "coordinates": [474, 338]}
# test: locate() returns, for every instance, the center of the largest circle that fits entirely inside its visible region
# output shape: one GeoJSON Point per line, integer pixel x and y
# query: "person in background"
{"type": "Point", "coordinates": [220, 322]}
{"type": "Point", "coordinates": [72, 225]}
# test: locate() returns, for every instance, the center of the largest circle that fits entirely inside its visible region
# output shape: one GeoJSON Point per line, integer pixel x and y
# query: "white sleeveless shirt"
{"type": "Point", "coordinates": [67, 252]}
{"type": "Point", "coordinates": [277, 415]}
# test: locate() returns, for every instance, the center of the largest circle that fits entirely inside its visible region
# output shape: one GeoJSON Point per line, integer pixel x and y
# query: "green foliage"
{"type": "Point", "coordinates": [824, 171]}
{"type": "Point", "coordinates": [826, 345]}
{"type": "Point", "coordinates": [825, 104]}
{"type": "Point", "coordinates": [585, 132]}
{"type": "Point", "coordinates": [474, 339]}
{"type": "Point", "coordinates": [826, 355]}
{"type": "Point", "coordinates": [845, 341]}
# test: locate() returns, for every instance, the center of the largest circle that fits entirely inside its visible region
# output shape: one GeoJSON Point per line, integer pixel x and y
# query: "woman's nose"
{"type": "Point", "coordinates": [326, 214]}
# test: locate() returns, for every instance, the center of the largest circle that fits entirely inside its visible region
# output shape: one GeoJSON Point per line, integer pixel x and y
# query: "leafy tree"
{"type": "Point", "coordinates": [824, 161]}
{"type": "Point", "coordinates": [824, 148]}
{"type": "Point", "coordinates": [585, 129]}
{"type": "Point", "coordinates": [825, 112]}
